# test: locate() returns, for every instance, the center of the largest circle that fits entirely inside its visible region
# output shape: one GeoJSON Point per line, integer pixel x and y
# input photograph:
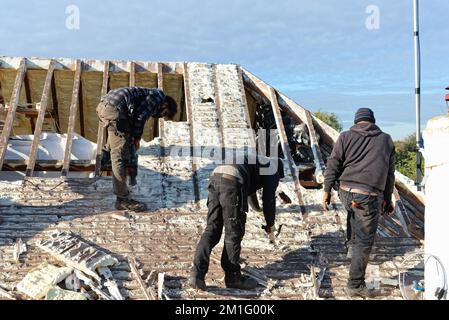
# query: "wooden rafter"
{"type": "Point", "coordinates": [328, 134]}
{"type": "Point", "coordinates": [317, 156]}
{"type": "Point", "coordinates": [157, 122]}
{"type": "Point", "coordinates": [40, 120]}
{"type": "Point", "coordinates": [72, 119]}
{"type": "Point", "coordinates": [160, 85]}
{"type": "Point", "coordinates": [9, 121]}
{"type": "Point", "coordinates": [284, 144]}
{"type": "Point", "coordinates": [188, 101]}
{"type": "Point", "coordinates": [218, 106]}
{"type": "Point", "coordinates": [160, 76]}
{"type": "Point", "coordinates": [101, 130]}
{"type": "Point", "coordinates": [132, 74]}
{"type": "Point", "coordinates": [245, 102]}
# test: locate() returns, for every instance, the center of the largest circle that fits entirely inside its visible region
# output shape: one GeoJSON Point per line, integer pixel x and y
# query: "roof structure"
{"type": "Point", "coordinates": [218, 104]}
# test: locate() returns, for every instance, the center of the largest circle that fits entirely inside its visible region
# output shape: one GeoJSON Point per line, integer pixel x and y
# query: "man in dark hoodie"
{"type": "Point", "coordinates": [123, 112]}
{"type": "Point", "coordinates": [362, 162]}
{"type": "Point", "coordinates": [229, 188]}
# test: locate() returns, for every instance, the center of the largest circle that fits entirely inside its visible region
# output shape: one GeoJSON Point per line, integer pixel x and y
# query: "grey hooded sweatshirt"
{"type": "Point", "coordinates": [363, 157]}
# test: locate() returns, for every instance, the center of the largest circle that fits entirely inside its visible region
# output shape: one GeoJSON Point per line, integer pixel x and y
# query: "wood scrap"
{"type": "Point", "coordinates": [19, 248]}
{"type": "Point", "coordinates": [89, 282]}
{"type": "Point", "coordinates": [110, 283]}
{"type": "Point", "coordinates": [160, 285]}
{"type": "Point", "coordinates": [317, 279]}
{"type": "Point", "coordinates": [121, 215]}
{"type": "Point", "coordinates": [6, 294]}
{"type": "Point", "coordinates": [132, 263]}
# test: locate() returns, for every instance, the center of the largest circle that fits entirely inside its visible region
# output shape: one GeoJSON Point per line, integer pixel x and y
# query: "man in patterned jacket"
{"type": "Point", "coordinates": [123, 112]}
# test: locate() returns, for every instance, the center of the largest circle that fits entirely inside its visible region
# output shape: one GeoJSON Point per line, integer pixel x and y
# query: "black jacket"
{"type": "Point", "coordinates": [135, 105]}
{"type": "Point", "coordinates": [362, 156]}
{"type": "Point", "coordinates": [254, 178]}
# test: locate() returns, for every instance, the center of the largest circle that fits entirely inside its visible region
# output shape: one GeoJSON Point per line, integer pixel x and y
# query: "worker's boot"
{"type": "Point", "coordinates": [238, 281]}
{"type": "Point", "coordinates": [361, 291]}
{"type": "Point", "coordinates": [130, 204]}
{"type": "Point", "coordinates": [197, 283]}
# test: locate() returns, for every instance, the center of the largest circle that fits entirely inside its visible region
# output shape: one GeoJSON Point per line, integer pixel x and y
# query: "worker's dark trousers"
{"type": "Point", "coordinates": [224, 209]}
{"type": "Point", "coordinates": [363, 217]}
{"type": "Point", "coordinates": [117, 145]}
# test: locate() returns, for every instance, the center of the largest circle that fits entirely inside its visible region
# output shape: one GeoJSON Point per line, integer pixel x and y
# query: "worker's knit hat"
{"type": "Point", "coordinates": [364, 114]}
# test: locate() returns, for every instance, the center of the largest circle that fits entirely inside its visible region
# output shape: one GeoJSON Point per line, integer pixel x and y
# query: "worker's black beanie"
{"type": "Point", "coordinates": [364, 114]}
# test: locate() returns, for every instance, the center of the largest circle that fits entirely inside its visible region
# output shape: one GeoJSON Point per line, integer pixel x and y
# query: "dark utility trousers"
{"type": "Point", "coordinates": [363, 216]}
{"type": "Point", "coordinates": [224, 209]}
{"type": "Point", "coordinates": [118, 145]}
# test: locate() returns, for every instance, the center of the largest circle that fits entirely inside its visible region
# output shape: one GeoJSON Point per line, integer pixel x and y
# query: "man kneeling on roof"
{"type": "Point", "coordinates": [362, 160]}
{"type": "Point", "coordinates": [124, 112]}
{"type": "Point", "coordinates": [227, 204]}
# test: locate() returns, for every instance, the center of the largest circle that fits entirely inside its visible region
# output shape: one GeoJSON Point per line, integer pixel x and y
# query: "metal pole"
{"type": "Point", "coordinates": [417, 93]}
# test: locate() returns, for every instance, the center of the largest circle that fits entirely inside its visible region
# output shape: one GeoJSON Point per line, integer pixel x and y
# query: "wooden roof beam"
{"type": "Point", "coordinates": [40, 121]}
{"type": "Point", "coordinates": [101, 130]}
{"type": "Point", "coordinates": [284, 144]}
{"type": "Point", "coordinates": [7, 127]}
{"type": "Point", "coordinates": [72, 119]}
{"type": "Point", "coordinates": [328, 134]}
{"type": "Point", "coordinates": [132, 74]}
{"type": "Point", "coordinates": [188, 101]}
{"type": "Point", "coordinates": [245, 107]}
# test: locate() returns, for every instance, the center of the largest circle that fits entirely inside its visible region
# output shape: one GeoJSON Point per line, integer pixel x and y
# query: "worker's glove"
{"type": "Point", "coordinates": [326, 200]}
{"type": "Point", "coordinates": [270, 232]}
{"type": "Point", "coordinates": [387, 208]}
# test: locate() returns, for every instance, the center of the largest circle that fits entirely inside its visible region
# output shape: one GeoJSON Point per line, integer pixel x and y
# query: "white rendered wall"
{"type": "Point", "coordinates": [436, 144]}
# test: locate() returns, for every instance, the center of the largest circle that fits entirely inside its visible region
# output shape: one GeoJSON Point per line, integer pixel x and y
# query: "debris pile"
{"type": "Point", "coordinates": [83, 277]}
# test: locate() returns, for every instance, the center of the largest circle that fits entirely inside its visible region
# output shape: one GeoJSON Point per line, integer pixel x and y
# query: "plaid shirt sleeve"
{"type": "Point", "coordinates": [148, 104]}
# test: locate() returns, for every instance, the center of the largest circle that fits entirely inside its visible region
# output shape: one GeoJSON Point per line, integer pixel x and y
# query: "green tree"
{"type": "Point", "coordinates": [406, 156]}
{"type": "Point", "coordinates": [329, 118]}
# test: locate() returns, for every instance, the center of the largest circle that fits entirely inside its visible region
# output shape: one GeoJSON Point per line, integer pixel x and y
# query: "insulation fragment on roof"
{"type": "Point", "coordinates": [41, 279]}
{"type": "Point", "coordinates": [56, 293]}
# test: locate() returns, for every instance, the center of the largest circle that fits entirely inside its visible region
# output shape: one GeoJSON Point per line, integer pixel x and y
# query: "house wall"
{"type": "Point", "coordinates": [436, 139]}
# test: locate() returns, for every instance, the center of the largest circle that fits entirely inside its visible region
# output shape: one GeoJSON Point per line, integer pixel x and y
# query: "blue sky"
{"type": "Point", "coordinates": [320, 53]}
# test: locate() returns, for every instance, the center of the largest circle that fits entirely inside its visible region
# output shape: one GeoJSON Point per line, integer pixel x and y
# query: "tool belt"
{"type": "Point", "coordinates": [359, 191]}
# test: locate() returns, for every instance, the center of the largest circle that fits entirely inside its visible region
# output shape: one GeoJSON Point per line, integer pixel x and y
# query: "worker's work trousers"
{"type": "Point", "coordinates": [118, 145]}
{"type": "Point", "coordinates": [224, 209]}
{"type": "Point", "coordinates": [363, 216]}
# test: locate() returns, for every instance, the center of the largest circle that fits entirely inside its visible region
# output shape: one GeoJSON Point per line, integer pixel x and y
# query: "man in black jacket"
{"type": "Point", "coordinates": [229, 188]}
{"type": "Point", "coordinates": [362, 161]}
{"type": "Point", "coordinates": [124, 112]}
